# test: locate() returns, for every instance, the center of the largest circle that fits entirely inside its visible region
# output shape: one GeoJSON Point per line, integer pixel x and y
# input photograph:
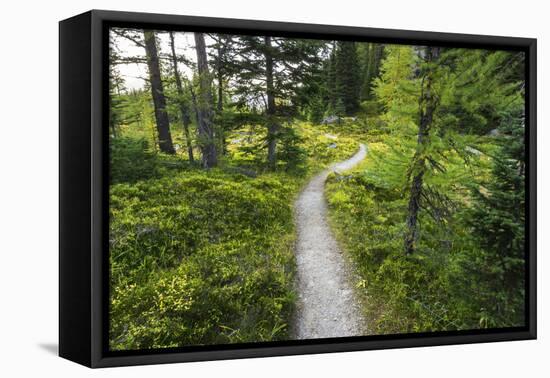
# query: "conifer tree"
{"type": "Point", "coordinates": [397, 89]}
{"type": "Point", "coordinates": [332, 93]}
{"type": "Point", "coordinates": [204, 103]}
{"type": "Point", "coordinates": [373, 60]}
{"type": "Point", "coordinates": [183, 105]}
{"type": "Point", "coordinates": [348, 74]}
{"type": "Point", "coordinates": [498, 223]}
{"type": "Point", "coordinates": [157, 92]}
{"type": "Point", "coordinates": [270, 72]}
{"type": "Point", "coordinates": [428, 105]}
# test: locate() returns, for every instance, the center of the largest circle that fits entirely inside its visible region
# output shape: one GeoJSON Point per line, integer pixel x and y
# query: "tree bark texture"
{"type": "Point", "coordinates": [428, 104]}
{"type": "Point", "coordinates": [204, 106]}
{"type": "Point", "coordinates": [184, 109]}
{"type": "Point", "coordinates": [157, 91]}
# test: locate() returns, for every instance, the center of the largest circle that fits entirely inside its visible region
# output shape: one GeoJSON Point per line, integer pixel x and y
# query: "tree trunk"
{"type": "Point", "coordinates": [184, 110]}
{"type": "Point", "coordinates": [272, 126]}
{"type": "Point", "coordinates": [157, 91]}
{"type": "Point", "coordinates": [204, 106]}
{"type": "Point", "coordinates": [220, 78]}
{"type": "Point", "coordinates": [219, 73]}
{"type": "Point", "coordinates": [428, 103]}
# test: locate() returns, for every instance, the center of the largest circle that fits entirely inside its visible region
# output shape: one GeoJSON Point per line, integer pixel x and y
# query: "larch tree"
{"type": "Point", "coordinates": [427, 104]}
{"type": "Point", "coordinates": [157, 92]}
{"type": "Point", "coordinates": [183, 106]}
{"type": "Point", "coordinates": [204, 106]}
{"type": "Point", "coordinates": [398, 89]}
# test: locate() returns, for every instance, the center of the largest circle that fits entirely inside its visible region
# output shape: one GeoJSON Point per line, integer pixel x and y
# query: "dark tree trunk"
{"type": "Point", "coordinates": [204, 106]}
{"type": "Point", "coordinates": [272, 126]}
{"type": "Point", "coordinates": [184, 109]}
{"type": "Point", "coordinates": [428, 103]}
{"type": "Point", "coordinates": [157, 91]}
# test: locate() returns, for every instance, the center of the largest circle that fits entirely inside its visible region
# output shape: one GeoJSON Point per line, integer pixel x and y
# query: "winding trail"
{"type": "Point", "coordinates": [326, 306]}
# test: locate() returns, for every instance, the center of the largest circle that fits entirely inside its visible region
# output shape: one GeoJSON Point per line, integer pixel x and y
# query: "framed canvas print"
{"type": "Point", "coordinates": [234, 188]}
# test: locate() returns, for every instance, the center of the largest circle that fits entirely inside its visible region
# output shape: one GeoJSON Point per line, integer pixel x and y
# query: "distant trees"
{"type": "Point", "coordinates": [115, 103]}
{"type": "Point", "coordinates": [277, 78]}
{"type": "Point", "coordinates": [222, 53]}
{"type": "Point", "coordinates": [269, 73]}
{"type": "Point", "coordinates": [371, 69]}
{"type": "Point", "coordinates": [347, 77]}
{"type": "Point", "coordinates": [183, 105]}
{"type": "Point", "coordinates": [343, 79]}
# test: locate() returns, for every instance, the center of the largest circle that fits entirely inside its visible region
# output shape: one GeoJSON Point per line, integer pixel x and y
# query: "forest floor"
{"type": "Point", "coordinates": [327, 305]}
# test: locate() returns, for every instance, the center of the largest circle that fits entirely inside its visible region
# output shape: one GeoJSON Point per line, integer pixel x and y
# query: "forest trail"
{"type": "Point", "coordinates": [326, 306]}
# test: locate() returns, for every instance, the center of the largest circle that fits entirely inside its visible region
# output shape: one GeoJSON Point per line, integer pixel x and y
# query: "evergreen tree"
{"type": "Point", "coordinates": [181, 99]}
{"type": "Point", "coordinates": [348, 74]}
{"type": "Point", "coordinates": [223, 54]}
{"type": "Point", "coordinates": [332, 93]}
{"type": "Point", "coordinates": [498, 224]}
{"type": "Point", "coordinates": [397, 88]}
{"type": "Point", "coordinates": [116, 102]}
{"type": "Point", "coordinates": [485, 85]}
{"type": "Point", "coordinates": [421, 158]}
{"type": "Point", "coordinates": [271, 70]}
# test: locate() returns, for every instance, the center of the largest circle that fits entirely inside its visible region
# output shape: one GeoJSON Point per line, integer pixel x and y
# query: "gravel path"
{"type": "Point", "coordinates": [326, 306]}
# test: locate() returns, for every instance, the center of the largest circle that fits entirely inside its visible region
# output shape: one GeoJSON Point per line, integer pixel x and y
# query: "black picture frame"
{"type": "Point", "coordinates": [83, 194]}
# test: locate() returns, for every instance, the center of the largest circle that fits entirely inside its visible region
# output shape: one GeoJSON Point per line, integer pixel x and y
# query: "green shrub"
{"type": "Point", "coordinates": [445, 284]}
{"type": "Point", "coordinates": [290, 150]}
{"type": "Point", "coordinates": [131, 160]}
{"type": "Point", "coordinates": [371, 108]}
{"type": "Point", "coordinates": [201, 258]}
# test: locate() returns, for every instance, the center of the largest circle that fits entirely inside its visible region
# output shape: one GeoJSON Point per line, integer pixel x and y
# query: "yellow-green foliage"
{"type": "Point", "coordinates": [397, 89]}
{"type": "Point", "coordinates": [206, 257]}
{"type": "Point", "coordinates": [200, 258]}
{"type": "Point", "coordinates": [321, 144]}
{"type": "Point", "coordinates": [326, 144]}
{"type": "Point", "coordinates": [426, 291]}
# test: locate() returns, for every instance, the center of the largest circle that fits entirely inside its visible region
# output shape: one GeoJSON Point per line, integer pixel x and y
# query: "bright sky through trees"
{"type": "Point", "coordinates": [134, 74]}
